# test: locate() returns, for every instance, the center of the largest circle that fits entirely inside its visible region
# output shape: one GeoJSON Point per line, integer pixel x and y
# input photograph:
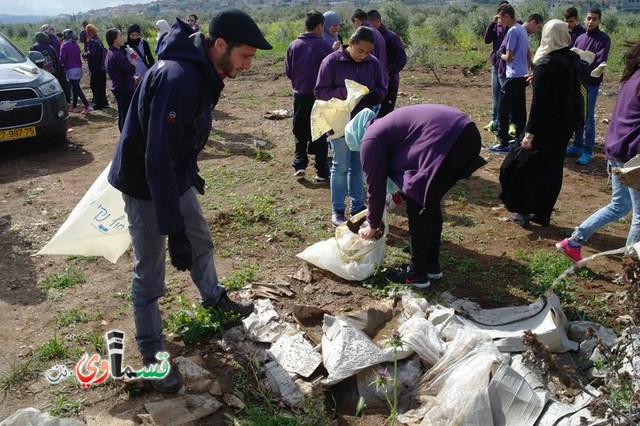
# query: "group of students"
{"type": "Point", "coordinates": [318, 63]}
{"type": "Point", "coordinates": [123, 61]}
{"type": "Point", "coordinates": [531, 175]}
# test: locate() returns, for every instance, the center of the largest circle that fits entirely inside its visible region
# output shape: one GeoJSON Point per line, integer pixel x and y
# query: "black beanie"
{"type": "Point", "coordinates": [234, 25]}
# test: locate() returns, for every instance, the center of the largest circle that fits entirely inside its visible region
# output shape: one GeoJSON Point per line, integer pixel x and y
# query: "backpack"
{"type": "Point", "coordinates": [574, 112]}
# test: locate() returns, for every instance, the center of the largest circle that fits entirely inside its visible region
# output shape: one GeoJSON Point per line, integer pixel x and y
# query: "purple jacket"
{"type": "Point", "coordinates": [407, 145]}
{"type": "Point", "coordinates": [623, 135]}
{"type": "Point", "coordinates": [95, 54]}
{"type": "Point", "coordinates": [70, 55]}
{"type": "Point", "coordinates": [396, 56]}
{"type": "Point", "coordinates": [577, 31]}
{"type": "Point", "coordinates": [379, 50]}
{"type": "Point", "coordinates": [598, 42]}
{"type": "Point", "coordinates": [120, 71]}
{"type": "Point", "coordinates": [55, 43]}
{"type": "Point", "coordinates": [494, 34]}
{"type": "Point", "coordinates": [302, 61]}
{"type": "Point", "coordinates": [338, 66]}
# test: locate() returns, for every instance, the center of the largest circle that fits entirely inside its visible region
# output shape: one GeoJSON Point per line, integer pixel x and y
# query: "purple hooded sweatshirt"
{"type": "Point", "coordinates": [396, 56]}
{"type": "Point", "coordinates": [338, 66]}
{"type": "Point", "coordinates": [408, 145]}
{"type": "Point", "coordinates": [303, 59]}
{"type": "Point", "coordinates": [598, 42]}
{"type": "Point", "coordinates": [623, 135]}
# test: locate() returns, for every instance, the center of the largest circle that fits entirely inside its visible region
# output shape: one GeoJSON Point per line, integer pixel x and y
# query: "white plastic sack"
{"type": "Point", "coordinates": [334, 114]}
{"type": "Point", "coordinates": [97, 226]}
{"type": "Point", "coordinates": [347, 254]}
{"type": "Point", "coordinates": [629, 174]}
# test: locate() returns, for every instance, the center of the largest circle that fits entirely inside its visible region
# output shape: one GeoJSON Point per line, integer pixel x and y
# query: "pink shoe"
{"type": "Point", "coordinates": [86, 110]}
{"type": "Point", "coordinates": [572, 253]}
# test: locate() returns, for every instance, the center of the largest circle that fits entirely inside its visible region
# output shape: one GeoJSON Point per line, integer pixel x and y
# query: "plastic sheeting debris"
{"type": "Point", "coordinates": [295, 354]}
{"type": "Point", "coordinates": [334, 114]}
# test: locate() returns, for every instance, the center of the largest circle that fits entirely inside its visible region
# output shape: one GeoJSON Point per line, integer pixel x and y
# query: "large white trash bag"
{"type": "Point", "coordinates": [347, 254]}
{"type": "Point", "coordinates": [97, 226]}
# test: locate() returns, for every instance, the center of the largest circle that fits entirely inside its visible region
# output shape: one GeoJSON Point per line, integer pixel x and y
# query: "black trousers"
{"type": "Point", "coordinates": [123, 99]}
{"type": "Point", "coordinates": [425, 222]}
{"type": "Point", "coordinates": [389, 102]}
{"type": "Point", "coordinates": [302, 105]}
{"type": "Point", "coordinates": [513, 102]}
{"type": "Point", "coordinates": [98, 85]}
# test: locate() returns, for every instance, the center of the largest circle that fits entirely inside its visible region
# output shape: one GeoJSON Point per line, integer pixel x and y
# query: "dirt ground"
{"type": "Point", "coordinates": [39, 187]}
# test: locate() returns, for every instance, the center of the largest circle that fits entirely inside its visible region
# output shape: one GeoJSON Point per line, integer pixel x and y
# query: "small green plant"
{"type": "Point", "coordinates": [62, 406]}
{"type": "Point", "coordinates": [52, 349]}
{"type": "Point", "coordinates": [95, 341]}
{"type": "Point", "coordinates": [124, 295]}
{"type": "Point", "coordinates": [382, 377]}
{"type": "Point", "coordinates": [18, 373]}
{"type": "Point", "coordinates": [379, 285]}
{"type": "Point", "coordinates": [68, 278]}
{"type": "Point", "coordinates": [240, 278]}
{"type": "Point", "coordinates": [193, 322]}
{"type": "Point", "coordinates": [262, 155]}
{"type": "Point", "coordinates": [71, 318]}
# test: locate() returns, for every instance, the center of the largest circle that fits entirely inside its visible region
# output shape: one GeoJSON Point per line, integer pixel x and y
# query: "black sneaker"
{"type": "Point", "coordinates": [170, 383]}
{"type": "Point", "coordinates": [407, 276]}
{"type": "Point", "coordinates": [540, 220]}
{"type": "Point", "coordinates": [227, 305]}
{"type": "Point", "coordinates": [520, 219]}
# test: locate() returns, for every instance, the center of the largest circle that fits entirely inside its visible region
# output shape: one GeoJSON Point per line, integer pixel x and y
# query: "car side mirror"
{"type": "Point", "coordinates": [37, 58]}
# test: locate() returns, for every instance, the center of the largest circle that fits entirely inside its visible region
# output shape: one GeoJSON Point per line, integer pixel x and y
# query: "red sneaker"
{"type": "Point", "coordinates": [572, 253]}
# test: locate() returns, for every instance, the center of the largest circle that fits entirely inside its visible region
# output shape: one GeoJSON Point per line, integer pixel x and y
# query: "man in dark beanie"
{"type": "Point", "coordinates": [155, 167]}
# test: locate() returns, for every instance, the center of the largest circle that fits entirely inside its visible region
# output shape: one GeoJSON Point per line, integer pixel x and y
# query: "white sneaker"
{"type": "Point", "coordinates": [434, 276]}
{"type": "Point", "coordinates": [298, 173]}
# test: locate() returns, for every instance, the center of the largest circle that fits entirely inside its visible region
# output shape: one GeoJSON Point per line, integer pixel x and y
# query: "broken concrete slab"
{"type": "Point", "coordinates": [282, 384]}
{"type": "Point", "coordinates": [183, 410]}
{"type": "Point", "coordinates": [263, 324]}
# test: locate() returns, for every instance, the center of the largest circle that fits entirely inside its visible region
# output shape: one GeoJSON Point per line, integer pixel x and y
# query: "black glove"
{"type": "Point", "coordinates": [198, 184]}
{"type": "Point", "coordinates": [180, 251]}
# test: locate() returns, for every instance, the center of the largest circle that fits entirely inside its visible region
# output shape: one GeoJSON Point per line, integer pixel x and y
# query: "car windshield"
{"type": "Point", "coordinates": [9, 54]}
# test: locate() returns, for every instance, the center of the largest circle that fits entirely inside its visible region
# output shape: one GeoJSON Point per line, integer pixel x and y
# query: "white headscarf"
{"type": "Point", "coordinates": [163, 28]}
{"type": "Point", "coordinates": [555, 36]}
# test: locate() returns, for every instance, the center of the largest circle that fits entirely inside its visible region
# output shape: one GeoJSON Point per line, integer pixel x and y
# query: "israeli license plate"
{"type": "Point", "coordinates": [19, 133]}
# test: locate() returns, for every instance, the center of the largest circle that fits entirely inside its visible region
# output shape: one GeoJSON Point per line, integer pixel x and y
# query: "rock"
{"type": "Point", "coordinates": [303, 274]}
{"type": "Point", "coordinates": [184, 410]}
{"type": "Point", "coordinates": [233, 401]}
{"type": "Point", "coordinates": [194, 378]}
{"type": "Point", "coordinates": [282, 384]}
{"type": "Point", "coordinates": [203, 405]}
{"type": "Point", "coordinates": [214, 388]}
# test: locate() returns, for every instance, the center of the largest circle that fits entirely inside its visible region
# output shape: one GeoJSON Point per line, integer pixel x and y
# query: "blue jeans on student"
{"type": "Point", "coordinates": [149, 266]}
{"type": "Point", "coordinates": [76, 91]}
{"type": "Point", "coordinates": [623, 200]}
{"type": "Point", "coordinates": [346, 176]}
{"type": "Point", "coordinates": [585, 138]}
{"type": "Point", "coordinates": [495, 93]}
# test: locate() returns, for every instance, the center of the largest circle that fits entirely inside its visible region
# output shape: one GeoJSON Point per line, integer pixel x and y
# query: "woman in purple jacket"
{"type": "Point", "coordinates": [121, 73]}
{"type": "Point", "coordinates": [71, 59]}
{"type": "Point", "coordinates": [351, 62]}
{"type": "Point", "coordinates": [621, 143]}
{"type": "Point", "coordinates": [424, 150]}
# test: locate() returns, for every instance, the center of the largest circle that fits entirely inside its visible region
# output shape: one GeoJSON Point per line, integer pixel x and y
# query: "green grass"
{"type": "Point", "coordinates": [240, 278]}
{"type": "Point", "coordinates": [18, 374]}
{"type": "Point", "coordinates": [67, 278]}
{"type": "Point", "coordinates": [70, 318]}
{"type": "Point", "coordinates": [192, 322]}
{"type": "Point", "coordinates": [63, 406]}
{"type": "Point", "coordinates": [53, 349]}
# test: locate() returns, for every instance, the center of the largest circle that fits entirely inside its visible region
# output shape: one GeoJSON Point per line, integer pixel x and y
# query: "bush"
{"type": "Point", "coordinates": [396, 20]}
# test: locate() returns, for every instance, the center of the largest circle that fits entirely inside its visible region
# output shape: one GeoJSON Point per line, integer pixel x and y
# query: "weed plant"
{"type": "Point", "coordinates": [192, 322]}
{"type": "Point", "coordinates": [67, 278]}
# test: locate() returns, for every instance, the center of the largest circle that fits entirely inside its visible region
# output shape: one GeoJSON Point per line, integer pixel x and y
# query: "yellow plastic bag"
{"type": "Point", "coordinates": [334, 114]}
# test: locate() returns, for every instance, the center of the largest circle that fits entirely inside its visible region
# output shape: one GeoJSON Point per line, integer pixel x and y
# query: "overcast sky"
{"type": "Point", "coordinates": [56, 7]}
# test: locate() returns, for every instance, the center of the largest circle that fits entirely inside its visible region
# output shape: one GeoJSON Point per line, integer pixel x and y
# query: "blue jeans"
{"type": "Point", "coordinates": [623, 200]}
{"type": "Point", "coordinates": [585, 138]}
{"type": "Point", "coordinates": [495, 93]}
{"type": "Point", "coordinates": [346, 175]}
{"type": "Point", "coordinates": [149, 266]}
{"type": "Point", "coordinates": [76, 91]}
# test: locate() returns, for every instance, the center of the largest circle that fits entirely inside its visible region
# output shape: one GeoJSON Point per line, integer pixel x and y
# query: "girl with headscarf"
{"type": "Point", "coordinates": [621, 143]}
{"type": "Point", "coordinates": [331, 28]}
{"type": "Point", "coordinates": [95, 56]}
{"type": "Point", "coordinates": [144, 58]}
{"type": "Point", "coordinates": [531, 175]}
{"type": "Point", "coordinates": [163, 29]}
